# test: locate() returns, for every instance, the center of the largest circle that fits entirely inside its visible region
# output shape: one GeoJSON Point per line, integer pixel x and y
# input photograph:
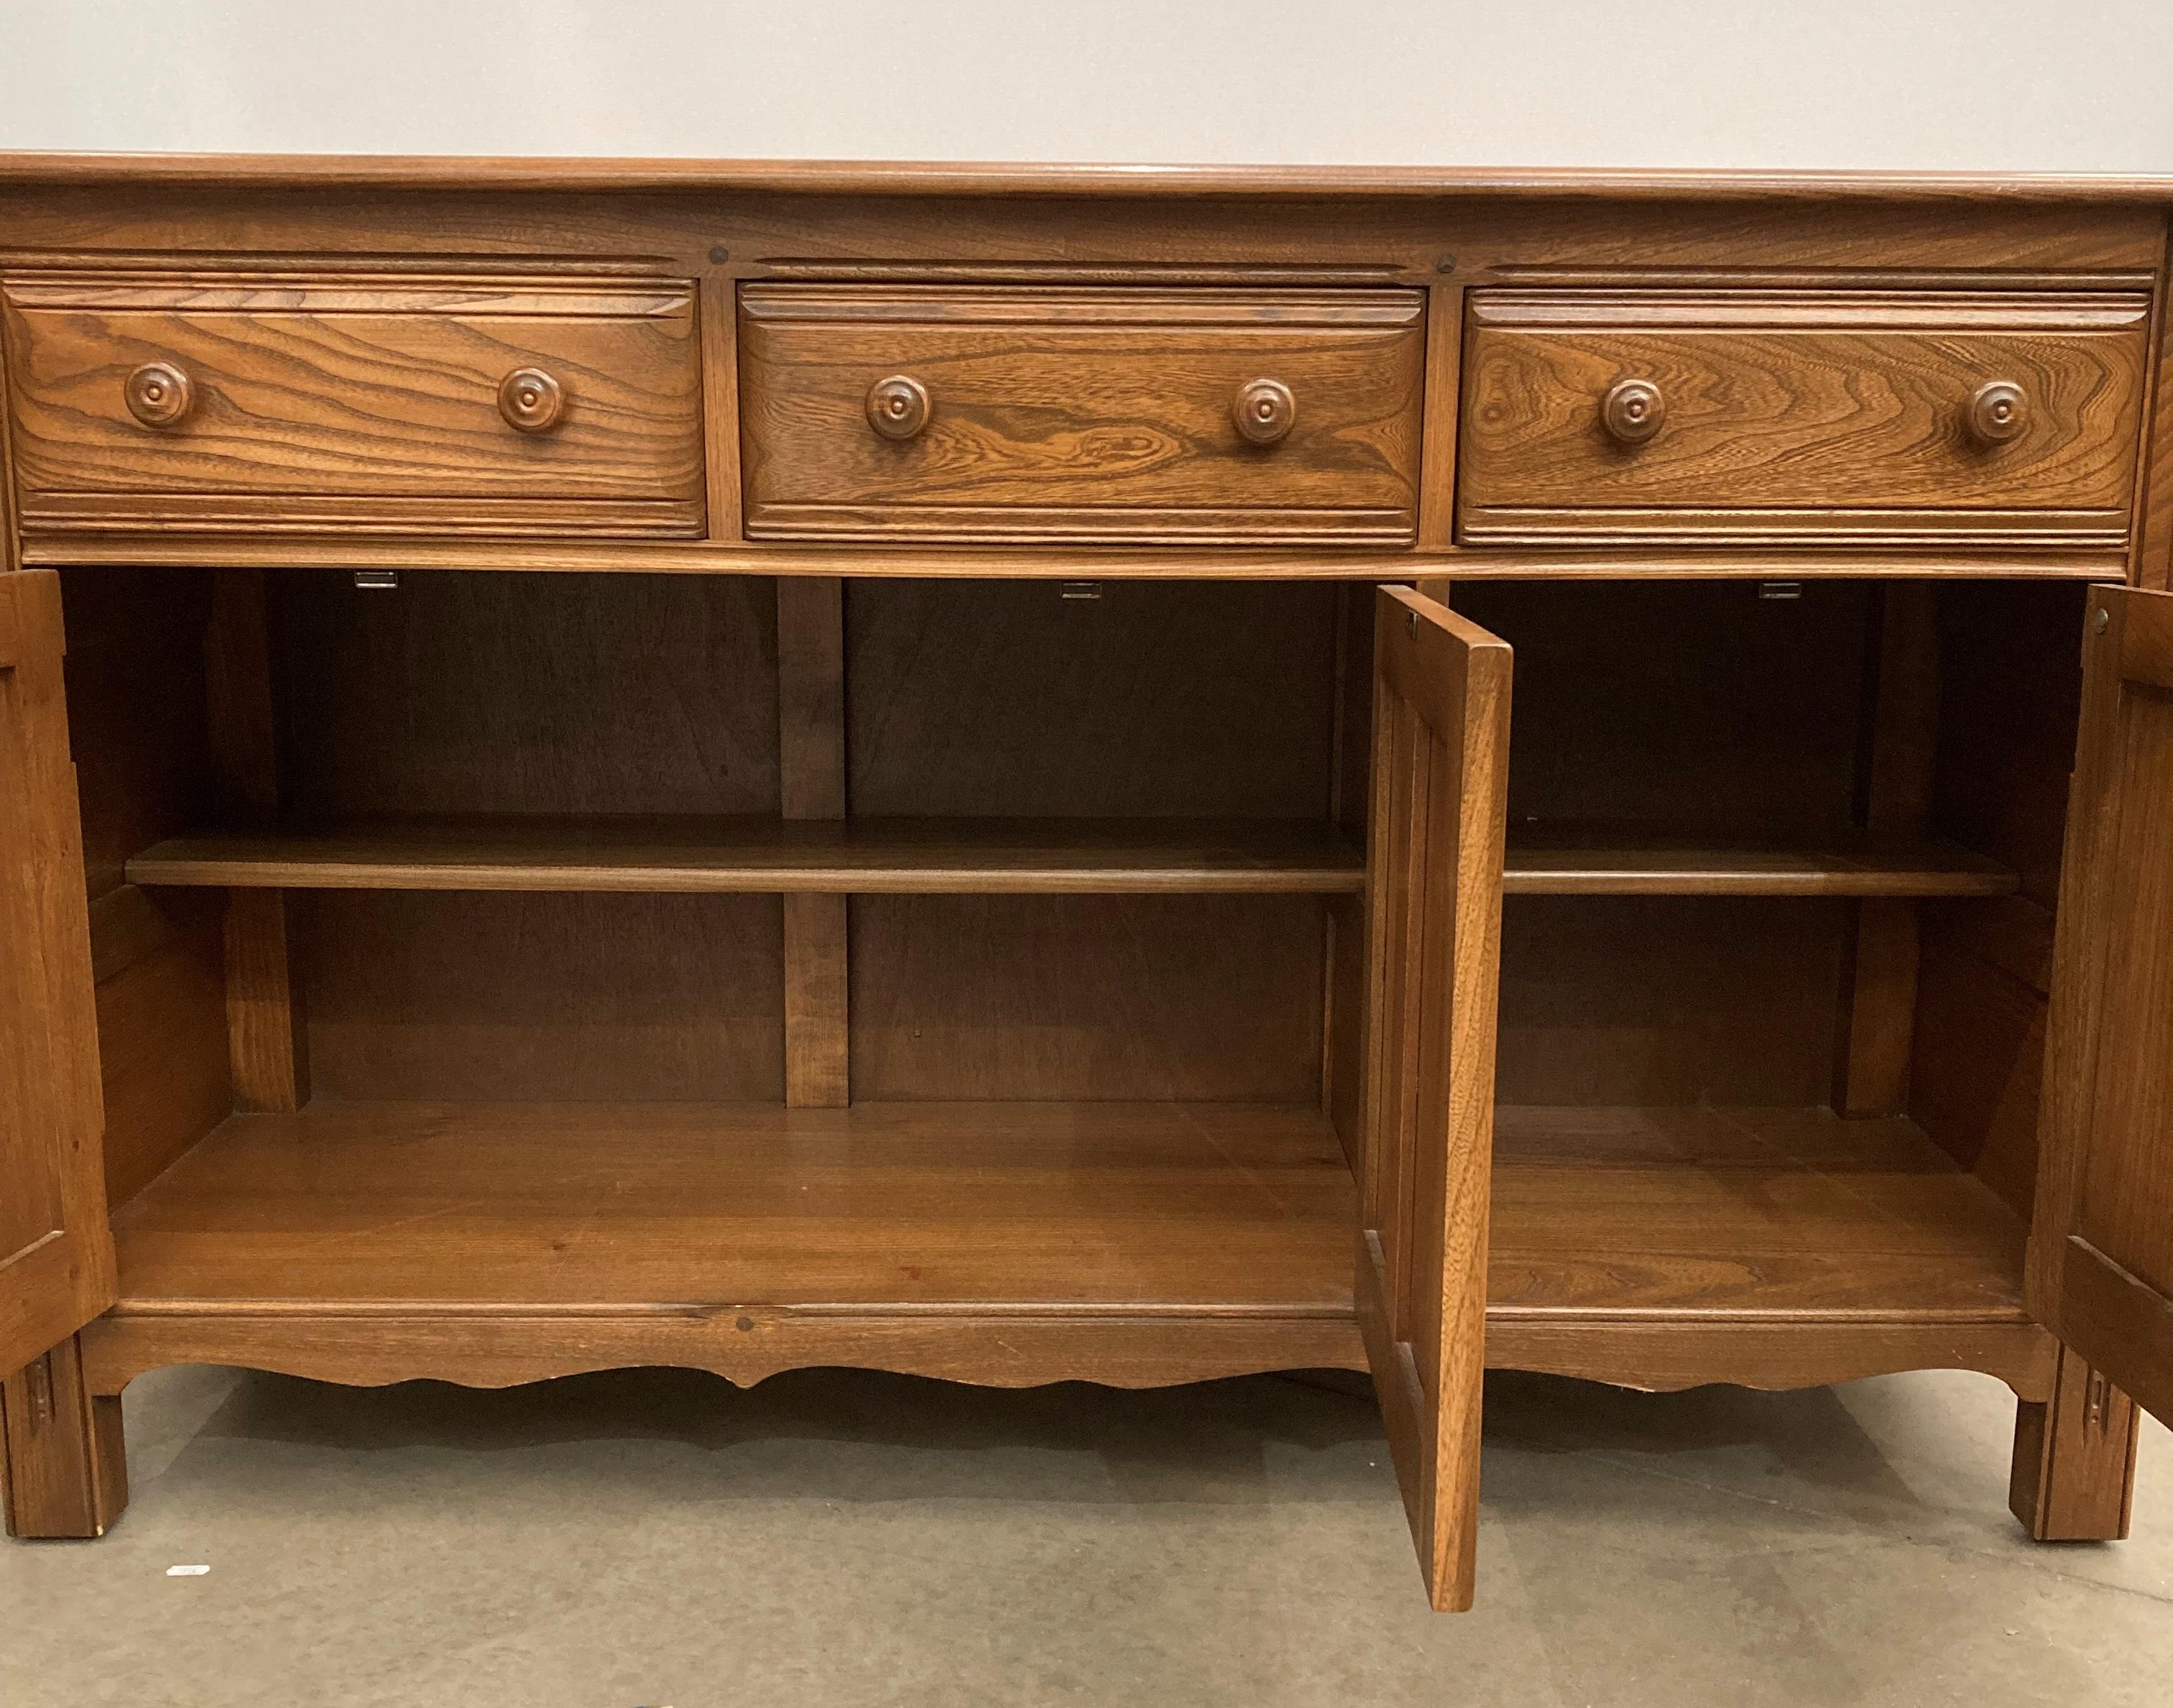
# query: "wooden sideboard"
{"type": "Point", "coordinates": [1121, 774]}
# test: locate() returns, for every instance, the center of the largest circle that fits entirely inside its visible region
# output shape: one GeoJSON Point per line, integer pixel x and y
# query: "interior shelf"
{"type": "Point", "coordinates": [1000, 855]}
{"type": "Point", "coordinates": [1198, 1208]}
{"type": "Point", "coordinates": [771, 856]}
{"type": "Point", "coordinates": [1617, 861]}
{"type": "Point", "coordinates": [1169, 1208]}
{"type": "Point", "coordinates": [1777, 1213]}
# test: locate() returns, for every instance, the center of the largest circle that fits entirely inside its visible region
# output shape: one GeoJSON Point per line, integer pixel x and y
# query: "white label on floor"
{"type": "Point", "coordinates": [187, 1571]}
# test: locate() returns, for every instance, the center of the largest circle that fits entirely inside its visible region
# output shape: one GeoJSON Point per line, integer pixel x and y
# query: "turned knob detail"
{"type": "Point", "coordinates": [1264, 411]}
{"type": "Point", "coordinates": [158, 394]}
{"type": "Point", "coordinates": [1632, 410]}
{"type": "Point", "coordinates": [898, 407]}
{"type": "Point", "coordinates": [531, 401]}
{"type": "Point", "coordinates": [1997, 412]}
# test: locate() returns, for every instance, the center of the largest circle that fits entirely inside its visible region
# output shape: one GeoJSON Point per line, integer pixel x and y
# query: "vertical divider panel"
{"type": "Point", "coordinates": [268, 1043]}
{"type": "Point", "coordinates": [1876, 1018]}
{"type": "Point", "coordinates": [811, 724]}
{"type": "Point", "coordinates": [1440, 797]}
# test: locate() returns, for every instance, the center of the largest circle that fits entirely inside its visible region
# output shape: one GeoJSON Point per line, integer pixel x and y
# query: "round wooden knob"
{"type": "Point", "coordinates": [1632, 410]}
{"type": "Point", "coordinates": [158, 394]}
{"type": "Point", "coordinates": [898, 407]}
{"type": "Point", "coordinates": [531, 401]}
{"type": "Point", "coordinates": [1997, 412]}
{"type": "Point", "coordinates": [1263, 410]}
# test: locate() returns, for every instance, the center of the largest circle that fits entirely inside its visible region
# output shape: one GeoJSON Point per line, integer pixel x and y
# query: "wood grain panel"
{"type": "Point", "coordinates": [162, 1053]}
{"type": "Point", "coordinates": [1143, 1208]}
{"type": "Point", "coordinates": [372, 405]}
{"type": "Point", "coordinates": [1800, 415]}
{"type": "Point", "coordinates": [1669, 1001]}
{"type": "Point", "coordinates": [512, 694]}
{"type": "Point", "coordinates": [1100, 997]}
{"type": "Point", "coordinates": [584, 998]}
{"type": "Point", "coordinates": [1005, 698]}
{"type": "Point", "coordinates": [63, 1472]}
{"type": "Point", "coordinates": [1074, 414]}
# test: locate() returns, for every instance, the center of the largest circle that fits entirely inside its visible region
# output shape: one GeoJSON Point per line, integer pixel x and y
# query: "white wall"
{"type": "Point", "coordinates": [2072, 86]}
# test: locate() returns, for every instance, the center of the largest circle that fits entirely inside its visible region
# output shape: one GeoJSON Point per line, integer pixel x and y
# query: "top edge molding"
{"type": "Point", "coordinates": [21, 168]}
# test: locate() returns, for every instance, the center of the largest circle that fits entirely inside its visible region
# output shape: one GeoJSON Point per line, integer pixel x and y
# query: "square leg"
{"type": "Point", "coordinates": [2073, 1478]}
{"type": "Point", "coordinates": [62, 1467]}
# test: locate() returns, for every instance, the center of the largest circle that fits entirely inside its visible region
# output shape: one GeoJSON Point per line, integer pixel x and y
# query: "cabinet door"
{"type": "Point", "coordinates": [2101, 1269]}
{"type": "Point", "coordinates": [55, 1249]}
{"type": "Point", "coordinates": [1441, 759]}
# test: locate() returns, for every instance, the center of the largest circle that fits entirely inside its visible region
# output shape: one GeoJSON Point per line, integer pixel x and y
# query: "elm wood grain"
{"type": "Point", "coordinates": [55, 1254]}
{"type": "Point", "coordinates": [1662, 1356]}
{"type": "Point", "coordinates": [363, 403]}
{"type": "Point", "coordinates": [1669, 1000]}
{"type": "Point", "coordinates": [2150, 561]}
{"type": "Point", "coordinates": [715, 327]}
{"type": "Point", "coordinates": [1057, 413]}
{"type": "Point", "coordinates": [1894, 770]}
{"type": "Point", "coordinates": [136, 710]}
{"type": "Point", "coordinates": [2102, 1258]}
{"type": "Point", "coordinates": [746, 1345]}
{"type": "Point", "coordinates": [1005, 698]}
{"type": "Point", "coordinates": [1629, 861]}
{"type": "Point", "coordinates": [1196, 998]}
{"type": "Point", "coordinates": [1770, 1214]}
{"type": "Point", "coordinates": [241, 688]}
{"type": "Point", "coordinates": [1799, 415]}
{"type": "Point", "coordinates": [810, 729]}
{"type": "Point", "coordinates": [503, 693]}
{"type": "Point", "coordinates": [63, 1472]}
{"type": "Point", "coordinates": [1444, 364]}
{"type": "Point", "coordinates": [860, 856]}
{"type": "Point", "coordinates": [1003, 179]}
{"type": "Point", "coordinates": [164, 1068]}
{"type": "Point", "coordinates": [1977, 1075]}
{"type": "Point", "coordinates": [1128, 1209]}
{"type": "Point", "coordinates": [1061, 563]}
{"type": "Point", "coordinates": [267, 1024]}
{"type": "Point", "coordinates": [576, 997]}
{"type": "Point", "coordinates": [1440, 790]}
{"type": "Point", "coordinates": [2073, 1477]}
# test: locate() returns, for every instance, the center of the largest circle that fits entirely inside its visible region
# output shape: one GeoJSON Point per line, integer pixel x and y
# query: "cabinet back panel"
{"type": "Point", "coordinates": [483, 693]}
{"type": "Point", "coordinates": [1697, 706]}
{"type": "Point", "coordinates": [138, 731]}
{"type": "Point", "coordinates": [1153, 700]}
{"type": "Point", "coordinates": [1027, 997]}
{"type": "Point", "coordinates": [571, 998]}
{"type": "Point", "coordinates": [1661, 1000]}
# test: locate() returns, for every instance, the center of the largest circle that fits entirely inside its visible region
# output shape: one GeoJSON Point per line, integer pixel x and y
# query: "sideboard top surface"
{"type": "Point", "coordinates": [999, 179]}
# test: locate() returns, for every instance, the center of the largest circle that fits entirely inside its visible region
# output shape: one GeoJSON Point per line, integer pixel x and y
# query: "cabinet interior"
{"type": "Point", "coordinates": [1779, 883]}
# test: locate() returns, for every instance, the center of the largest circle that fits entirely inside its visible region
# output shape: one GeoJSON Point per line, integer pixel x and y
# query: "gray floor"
{"type": "Point", "coordinates": [657, 1537]}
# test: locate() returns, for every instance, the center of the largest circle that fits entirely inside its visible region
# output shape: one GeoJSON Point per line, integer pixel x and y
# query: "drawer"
{"type": "Point", "coordinates": [1032, 413]}
{"type": "Point", "coordinates": [1758, 418]}
{"type": "Point", "coordinates": [400, 405]}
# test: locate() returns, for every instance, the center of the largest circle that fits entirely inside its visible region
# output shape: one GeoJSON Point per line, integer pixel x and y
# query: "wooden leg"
{"type": "Point", "coordinates": [2074, 1459]}
{"type": "Point", "coordinates": [62, 1465]}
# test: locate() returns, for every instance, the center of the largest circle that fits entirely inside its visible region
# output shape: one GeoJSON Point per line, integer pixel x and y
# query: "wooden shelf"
{"type": "Point", "coordinates": [768, 856]}
{"type": "Point", "coordinates": [1777, 1214]}
{"type": "Point", "coordinates": [1116, 1207]}
{"type": "Point", "coordinates": [998, 856]}
{"type": "Point", "coordinates": [1022, 1243]}
{"type": "Point", "coordinates": [1616, 862]}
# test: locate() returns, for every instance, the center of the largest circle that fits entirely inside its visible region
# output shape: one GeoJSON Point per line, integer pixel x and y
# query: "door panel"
{"type": "Point", "coordinates": [55, 1249]}
{"type": "Point", "coordinates": [2101, 1270]}
{"type": "Point", "coordinates": [1441, 756]}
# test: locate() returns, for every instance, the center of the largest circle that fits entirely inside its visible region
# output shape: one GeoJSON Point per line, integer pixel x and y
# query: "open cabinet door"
{"type": "Point", "coordinates": [56, 1248]}
{"type": "Point", "coordinates": [2101, 1261]}
{"type": "Point", "coordinates": [1440, 778]}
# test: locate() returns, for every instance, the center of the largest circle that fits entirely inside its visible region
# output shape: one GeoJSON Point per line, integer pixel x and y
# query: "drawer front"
{"type": "Point", "coordinates": [1028, 414]}
{"type": "Point", "coordinates": [556, 408]}
{"type": "Point", "coordinates": [1762, 418]}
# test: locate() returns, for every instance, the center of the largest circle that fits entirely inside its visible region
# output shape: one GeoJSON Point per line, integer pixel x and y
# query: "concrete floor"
{"type": "Point", "coordinates": [658, 1538]}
